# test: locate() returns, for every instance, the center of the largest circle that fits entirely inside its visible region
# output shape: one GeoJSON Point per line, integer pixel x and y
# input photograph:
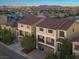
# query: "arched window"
{"type": "Point", "coordinates": [50, 41]}
{"type": "Point", "coordinates": [61, 33]}
{"type": "Point", "coordinates": [41, 38]}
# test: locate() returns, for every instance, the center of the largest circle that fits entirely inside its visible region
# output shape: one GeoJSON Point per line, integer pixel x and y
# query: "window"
{"type": "Point", "coordinates": [59, 46]}
{"type": "Point", "coordinates": [50, 31]}
{"type": "Point", "coordinates": [28, 27]}
{"type": "Point", "coordinates": [61, 33]}
{"type": "Point", "coordinates": [73, 30]}
{"type": "Point", "coordinates": [21, 25]}
{"type": "Point", "coordinates": [41, 29]}
{"type": "Point", "coordinates": [26, 33]}
{"type": "Point", "coordinates": [76, 47]}
{"type": "Point", "coordinates": [21, 33]}
{"type": "Point", "coordinates": [50, 41]}
{"type": "Point", "coordinates": [41, 48]}
{"type": "Point", "coordinates": [41, 38]}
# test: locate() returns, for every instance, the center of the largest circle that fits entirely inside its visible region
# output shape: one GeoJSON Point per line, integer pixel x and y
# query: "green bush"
{"type": "Point", "coordinates": [28, 43]}
{"type": "Point", "coordinates": [6, 36]}
{"type": "Point", "coordinates": [51, 56]}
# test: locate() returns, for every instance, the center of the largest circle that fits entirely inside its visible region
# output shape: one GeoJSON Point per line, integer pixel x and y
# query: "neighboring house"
{"type": "Point", "coordinates": [50, 32]}
{"type": "Point", "coordinates": [75, 42]}
{"type": "Point", "coordinates": [27, 26]}
{"type": "Point", "coordinates": [75, 47]}
{"type": "Point", "coordinates": [10, 26]}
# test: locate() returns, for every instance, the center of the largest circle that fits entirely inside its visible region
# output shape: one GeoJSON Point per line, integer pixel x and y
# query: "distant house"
{"type": "Point", "coordinates": [27, 25]}
{"type": "Point", "coordinates": [3, 19]}
{"type": "Point", "coordinates": [14, 17]}
{"type": "Point", "coordinates": [75, 42]}
{"type": "Point", "coordinates": [50, 32]}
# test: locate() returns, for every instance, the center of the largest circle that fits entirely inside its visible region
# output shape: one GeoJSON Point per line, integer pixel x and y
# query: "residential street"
{"type": "Point", "coordinates": [6, 53]}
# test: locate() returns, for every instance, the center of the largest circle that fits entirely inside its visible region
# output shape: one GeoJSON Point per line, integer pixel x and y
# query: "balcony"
{"type": "Point", "coordinates": [41, 40]}
{"type": "Point", "coordinates": [76, 47]}
{"type": "Point", "coordinates": [59, 40]}
{"type": "Point", "coordinates": [50, 43]}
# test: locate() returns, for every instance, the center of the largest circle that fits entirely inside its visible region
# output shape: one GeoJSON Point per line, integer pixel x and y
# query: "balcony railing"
{"type": "Point", "coordinates": [59, 40]}
{"type": "Point", "coordinates": [50, 43]}
{"type": "Point", "coordinates": [41, 40]}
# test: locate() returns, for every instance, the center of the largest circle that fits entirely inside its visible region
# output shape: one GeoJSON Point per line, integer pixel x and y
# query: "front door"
{"type": "Point", "coordinates": [41, 48]}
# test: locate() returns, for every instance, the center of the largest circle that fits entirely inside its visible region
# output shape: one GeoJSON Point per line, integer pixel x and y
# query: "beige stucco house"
{"type": "Point", "coordinates": [12, 26]}
{"type": "Point", "coordinates": [75, 42]}
{"type": "Point", "coordinates": [50, 32]}
{"type": "Point", "coordinates": [75, 47]}
{"type": "Point", "coordinates": [27, 26]}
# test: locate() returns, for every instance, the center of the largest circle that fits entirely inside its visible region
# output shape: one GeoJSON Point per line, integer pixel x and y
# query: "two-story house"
{"type": "Point", "coordinates": [27, 26]}
{"type": "Point", "coordinates": [12, 26]}
{"type": "Point", "coordinates": [75, 42]}
{"type": "Point", "coordinates": [50, 32]}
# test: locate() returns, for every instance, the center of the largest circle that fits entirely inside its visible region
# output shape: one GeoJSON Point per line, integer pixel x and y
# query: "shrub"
{"type": "Point", "coordinates": [28, 43]}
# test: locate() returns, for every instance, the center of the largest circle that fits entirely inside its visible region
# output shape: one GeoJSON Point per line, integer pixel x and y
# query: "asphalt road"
{"type": "Point", "coordinates": [6, 53]}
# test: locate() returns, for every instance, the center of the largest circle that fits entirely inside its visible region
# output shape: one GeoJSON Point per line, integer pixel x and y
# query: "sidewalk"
{"type": "Point", "coordinates": [16, 46]}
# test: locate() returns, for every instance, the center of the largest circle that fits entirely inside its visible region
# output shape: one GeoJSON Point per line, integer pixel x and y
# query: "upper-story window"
{"type": "Point", "coordinates": [41, 38]}
{"type": "Point", "coordinates": [61, 33]}
{"type": "Point", "coordinates": [76, 47]}
{"type": "Point", "coordinates": [73, 30]}
{"type": "Point", "coordinates": [50, 41]}
{"type": "Point", "coordinates": [41, 29]}
{"type": "Point", "coordinates": [21, 25]}
{"type": "Point", "coordinates": [50, 31]}
{"type": "Point", "coordinates": [28, 27]}
{"type": "Point", "coordinates": [21, 33]}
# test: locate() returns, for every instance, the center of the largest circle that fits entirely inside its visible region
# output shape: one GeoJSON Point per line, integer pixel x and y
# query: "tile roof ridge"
{"type": "Point", "coordinates": [65, 21]}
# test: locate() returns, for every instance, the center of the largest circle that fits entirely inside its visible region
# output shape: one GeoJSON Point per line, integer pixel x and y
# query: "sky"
{"type": "Point", "coordinates": [40, 2]}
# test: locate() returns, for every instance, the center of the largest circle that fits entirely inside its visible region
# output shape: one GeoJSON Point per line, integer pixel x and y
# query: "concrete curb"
{"type": "Point", "coordinates": [4, 44]}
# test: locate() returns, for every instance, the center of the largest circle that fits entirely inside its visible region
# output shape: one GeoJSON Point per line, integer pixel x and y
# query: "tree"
{"type": "Point", "coordinates": [69, 57]}
{"type": "Point", "coordinates": [77, 14]}
{"type": "Point", "coordinates": [6, 36]}
{"type": "Point", "coordinates": [66, 49]}
{"type": "Point", "coordinates": [51, 56]}
{"type": "Point", "coordinates": [28, 43]}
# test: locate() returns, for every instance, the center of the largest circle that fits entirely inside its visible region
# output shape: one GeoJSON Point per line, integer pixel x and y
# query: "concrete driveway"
{"type": "Point", "coordinates": [37, 54]}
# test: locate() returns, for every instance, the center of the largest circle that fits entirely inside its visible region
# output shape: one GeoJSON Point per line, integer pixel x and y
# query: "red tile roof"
{"type": "Point", "coordinates": [51, 23]}
{"type": "Point", "coordinates": [29, 20]}
{"type": "Point", "coordinates": [12, 24]}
